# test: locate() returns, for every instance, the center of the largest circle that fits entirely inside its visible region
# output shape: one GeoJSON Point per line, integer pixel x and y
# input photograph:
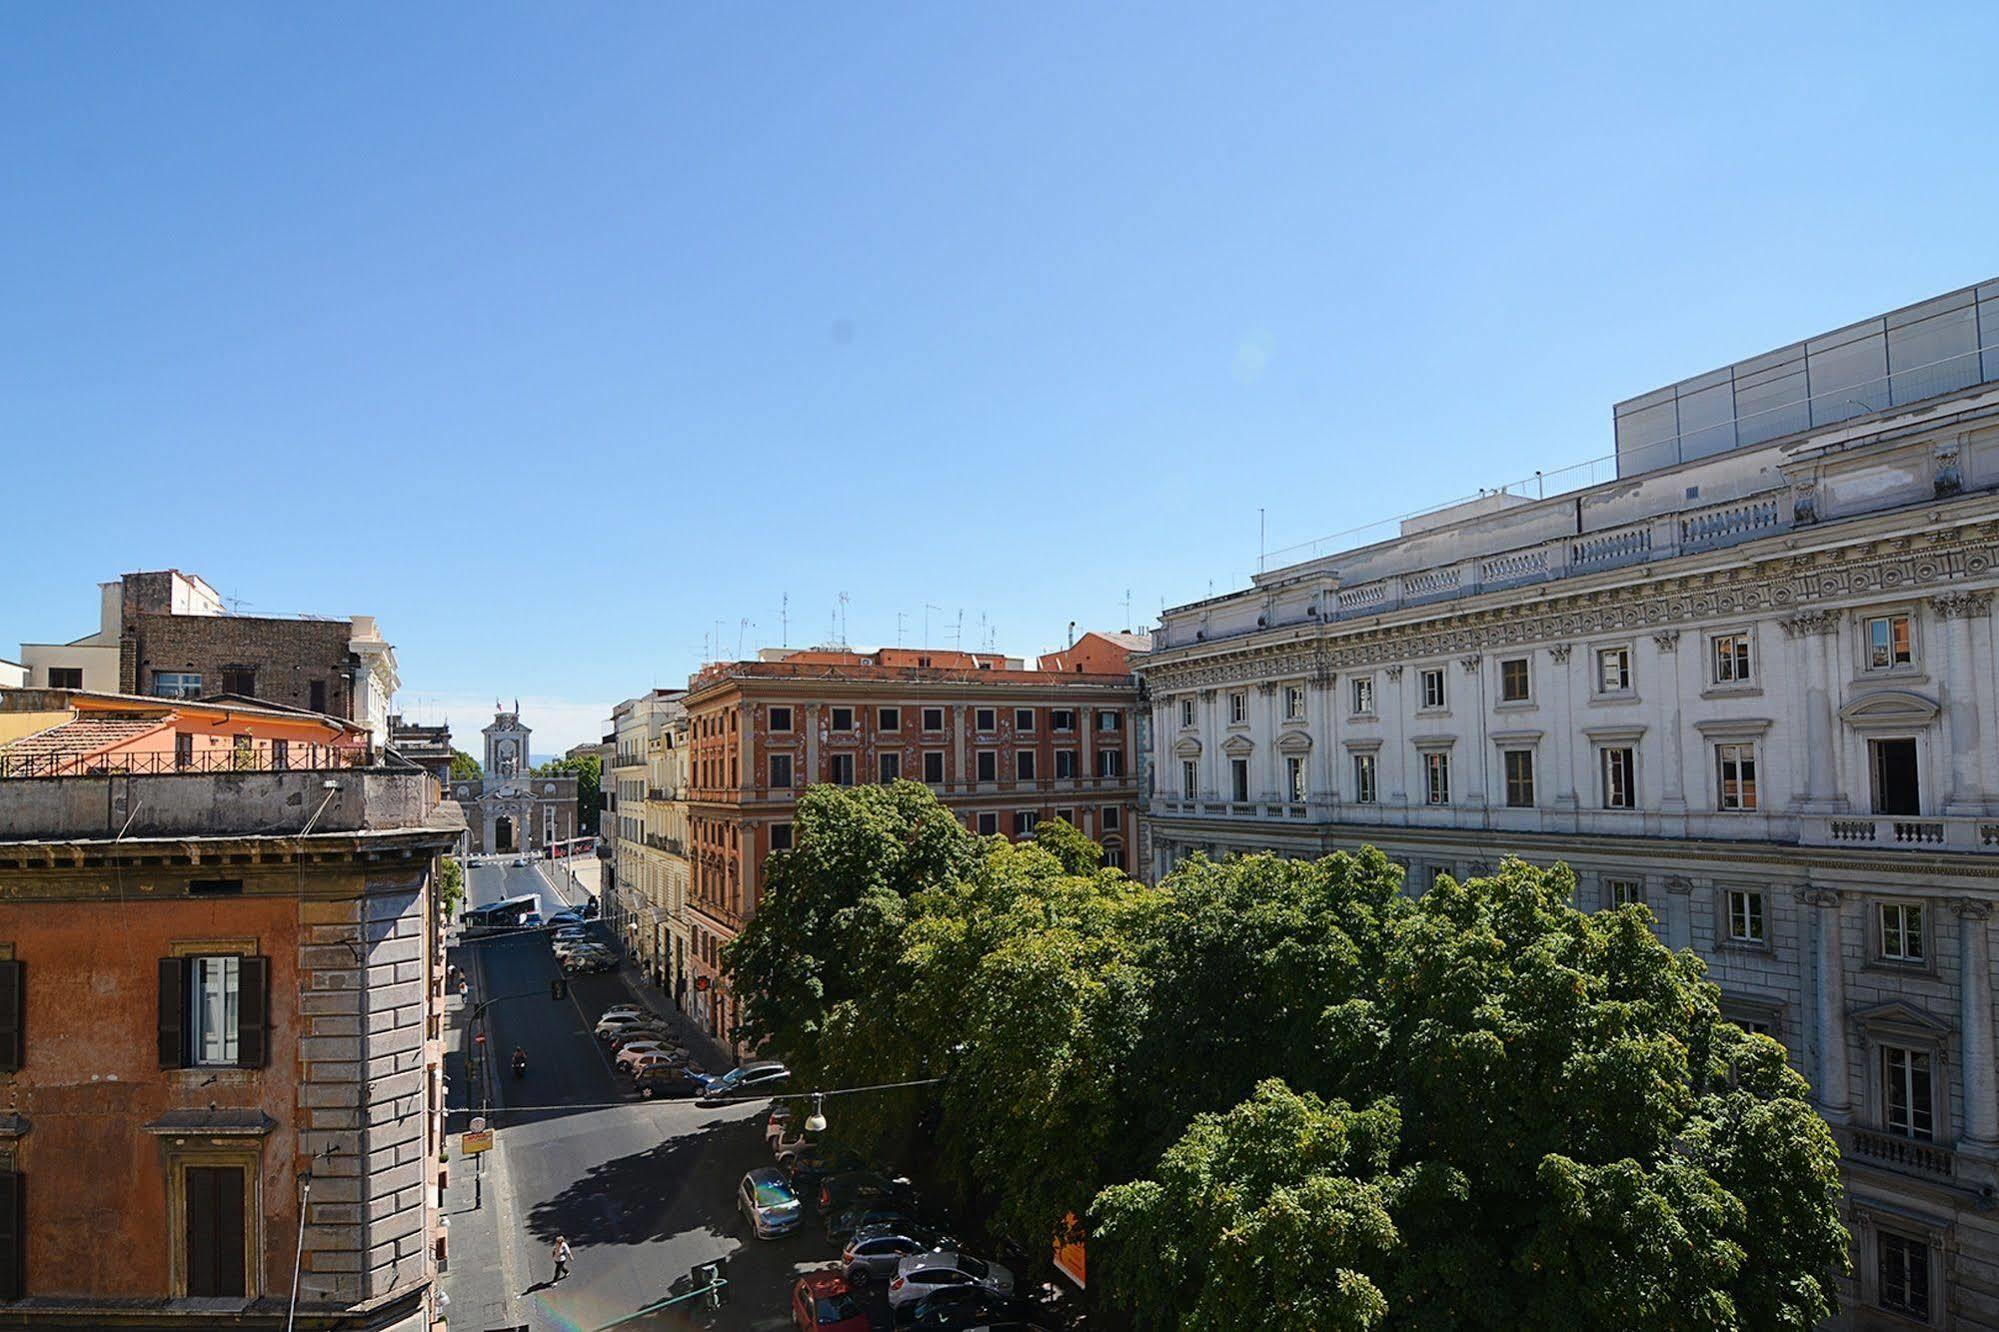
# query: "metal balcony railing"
{"type": "Point", "coordinates": [260, 758]}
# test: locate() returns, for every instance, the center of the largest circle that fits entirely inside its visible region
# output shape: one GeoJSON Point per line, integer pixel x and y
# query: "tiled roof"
{"type": "Point", "coordinates": [1129, 641]}
{"type": "Point", "coordinates": [85, 735]}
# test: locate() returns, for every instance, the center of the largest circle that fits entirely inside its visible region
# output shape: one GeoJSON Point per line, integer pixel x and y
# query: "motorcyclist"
{"type": "Point", "coordinates": [520, 1062]}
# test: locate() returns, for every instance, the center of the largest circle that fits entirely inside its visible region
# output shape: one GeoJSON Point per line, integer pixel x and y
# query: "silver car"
{"type": "Point", "coordinates": [921, 1273]}
{"type": "Point", "coordinates": [768, 1202]}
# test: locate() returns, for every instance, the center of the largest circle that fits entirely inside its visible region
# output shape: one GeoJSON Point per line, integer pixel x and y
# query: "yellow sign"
{"type": "Point", "coordinates": [473, 1141]}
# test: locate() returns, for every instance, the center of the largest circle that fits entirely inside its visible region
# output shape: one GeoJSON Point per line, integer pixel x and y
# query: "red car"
{"type": "Point", "coordinates": [821, 1302]}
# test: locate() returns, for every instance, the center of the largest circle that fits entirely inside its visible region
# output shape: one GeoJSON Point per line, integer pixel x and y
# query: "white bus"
{"type": "Point", "coordinates": [513, 913]}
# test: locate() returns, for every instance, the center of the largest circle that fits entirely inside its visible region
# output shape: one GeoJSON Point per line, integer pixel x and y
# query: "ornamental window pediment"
{"type": "Point", "coordinates": [1897, 709]}
{"type": "Point", "coordinates": [1239, 746]}
{"type": "Point", "coordinates": [1187, 748]}
{"type": "Point", "coordinates": [1900, 1018]}
{"type": "Point", "coordinates": [1294, 742]}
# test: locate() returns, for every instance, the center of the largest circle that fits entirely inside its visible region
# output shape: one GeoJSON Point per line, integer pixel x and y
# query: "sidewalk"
{"type": "Point", "coordinates": [474, 1197]}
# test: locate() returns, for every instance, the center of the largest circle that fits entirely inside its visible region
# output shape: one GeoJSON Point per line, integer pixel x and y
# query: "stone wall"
{"type": "Point", "coordinates": [287, 655]}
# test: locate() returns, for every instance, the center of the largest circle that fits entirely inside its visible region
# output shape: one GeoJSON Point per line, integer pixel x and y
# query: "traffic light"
{"type": "Point", "coordinates": [558, 989]}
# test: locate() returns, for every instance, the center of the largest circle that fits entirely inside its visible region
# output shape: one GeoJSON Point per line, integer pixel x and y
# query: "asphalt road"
{"type": "Point", "coordinates": [644, 1190]}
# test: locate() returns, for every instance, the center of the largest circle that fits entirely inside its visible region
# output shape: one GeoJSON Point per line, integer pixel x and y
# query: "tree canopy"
{"type": "Point", "coordinates": [1288, 1095]}
{"type": "Point", "coordinates": [464, 767]}
{"type": "Point", "coordinates": [588, 769]}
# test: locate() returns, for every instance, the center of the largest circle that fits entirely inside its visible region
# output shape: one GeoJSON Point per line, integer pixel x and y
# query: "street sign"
{"type": "Point", "coordinates": [700, 982]}
{"type": "Point", "coordinates": [473, 1141]}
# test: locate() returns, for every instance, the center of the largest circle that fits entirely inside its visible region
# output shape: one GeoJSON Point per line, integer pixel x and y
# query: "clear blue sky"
{"type": "Point", "coordinates": [554, 334]}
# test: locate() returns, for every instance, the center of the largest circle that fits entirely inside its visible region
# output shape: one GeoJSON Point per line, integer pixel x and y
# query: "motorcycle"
{"type": "Point", "coordinates": [520, 1065]}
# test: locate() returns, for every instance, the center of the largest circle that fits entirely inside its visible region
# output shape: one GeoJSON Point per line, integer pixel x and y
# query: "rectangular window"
{"type": "Point", "coordinates": [1620, 779]}
{"type": "Point", "coordinates": [1065, 764]}
{"type": "Point", "coordinates": [1745, 917]}
{"type": "Point", "coordinates": [1239, 780]}
{"type": "Point", "coordinates": [1110, 763]}
{"type": "Point", "coordinates": [1902, 1273]}
{"type": "Point", "coordinates": [1363, 695]}
{"type": "Point", "coordinates": [1735, 767]}
{"type": "Point", "coordinates": [1238, 708]}
{"type": "Point", "coordinates": [1513, 680]}
{"type": "Point", "coordinates": [1186, 712]}
{"type": "Point", "coordinates": [988, 824]}
{"type": "Point", "coordinates": [988, 765]}
{"type": "Point", "coordinates": [1623, 892]}
{"type": "Point", "coordinates": [1730, 659]}
{"type": "Point", "coordinates": [281, 754]}
{"type": "Point", "coordinates": [180, 684]}
{"type": "Point", "coordinates": [1108, 816]}
{"type": "Point", "coordinates": [65, 677]}
{"type": "Point", "coordinates": [240, 680]}
{"type": "Point", "coordinates": [1023, 765]}
{"type": "Point", "coordinates": [1436, 777]}
{"type": "Point", "coordinates": [1114, 857]}
{"type": "Point", "coordinates": [1110, 719]}
{"type": "Point", "coordinates": [1901, 931]}
{"type": "Point", "coordinates": [1294, 703]}
{"type": "Point", "coordinates": [1906, 1104]}
{"type": "Point", "coordinates": [1890, 642]}
{"type": "Point", "coordinates": [840, 769]}
{"type": "Point", "coordinates": [1190, 782]}
{"type": "Point", "coordinates": [780, 771]}
{"type": "Point", "coordinates": [183, 750]}
{"type": "Point", "coordinates": [888, 719]}
{"type": "Point", "coordinates": [1023, 721]}
{"type": "Point", "coordinates": [933, 719]}
{"type": "Point", "coordinates": [933, 766]}
{"type": "Point", "coordinates": [1613, 670]}
{"type": "Point", "coordinates": [1294, 779]}
{"type": "Point", "coordinates": [891, 766]}
{"type": "Point", "coordinates": [780, 837]}
{"type": "Point", "coordinates": [1519, 778]}
{"type": "Point", "coordinates": [843, 719]}
{"type": "Point", "coordinates": [1024, 821]}
{"type": "Point", "coordinates": [1363, 779]}
{"type": "Point", "coordinates": [317, 694]}
{"type": "Point", "coordinates": [1897, 783]}
{"type": "Point", "coordinates": [212, 1199]}
{"type": "Point", "coordinates": [1062, 719]}
{"type": "Point", "coordinates": [216, 991]}
{"type": "Point", "coordinates": [986, 719]}
{"type": "Point", "coordinates": [1433, 687]}
{"type": "Point", "coordinates": [780, 719]}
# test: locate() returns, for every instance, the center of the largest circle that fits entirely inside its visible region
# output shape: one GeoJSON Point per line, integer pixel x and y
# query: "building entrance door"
{"type": "Point", "coordinates": [503, 833]}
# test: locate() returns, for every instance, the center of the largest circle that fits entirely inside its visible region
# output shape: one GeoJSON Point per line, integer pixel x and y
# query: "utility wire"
{"type": "Point", "coordinates": [666, 1101]}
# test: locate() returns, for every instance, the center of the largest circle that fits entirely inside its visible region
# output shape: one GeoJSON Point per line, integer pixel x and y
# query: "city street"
{"type": "Point", "coordinates": [643, 1190]}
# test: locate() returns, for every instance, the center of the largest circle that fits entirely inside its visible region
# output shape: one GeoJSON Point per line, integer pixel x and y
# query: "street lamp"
{"type": "Point", "coordinates": [816, 1121]}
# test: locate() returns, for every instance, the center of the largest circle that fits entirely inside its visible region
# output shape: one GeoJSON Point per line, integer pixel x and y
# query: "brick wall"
{"type": "Point", "coordinates": [287, 655]}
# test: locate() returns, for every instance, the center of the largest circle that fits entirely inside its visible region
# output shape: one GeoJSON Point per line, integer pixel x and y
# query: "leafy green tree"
{"type": "Point", "coordinates": [1068, 844]}
{"type": "Point", "coordinates": [450, 886]}
{"type": "Point", "coordinates": [588, 769]}
{"type": "Point", "coordinates": [464, 767]}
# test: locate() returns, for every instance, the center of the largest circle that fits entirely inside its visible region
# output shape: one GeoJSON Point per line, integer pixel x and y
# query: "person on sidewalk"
{"type": "Point", "coordinates": [561, 1257]}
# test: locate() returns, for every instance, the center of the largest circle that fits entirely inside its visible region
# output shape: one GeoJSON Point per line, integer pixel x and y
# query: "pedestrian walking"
{"type": "Point", "coordinates": [561, 1257]}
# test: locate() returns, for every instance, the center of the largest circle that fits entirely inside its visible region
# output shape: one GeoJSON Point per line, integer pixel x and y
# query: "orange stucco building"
{"type": "Point", "coordinates": [1002, 746]}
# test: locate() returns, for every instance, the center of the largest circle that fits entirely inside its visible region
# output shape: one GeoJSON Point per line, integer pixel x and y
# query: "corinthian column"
{"type": "Point", "coordinates": [1974, 988]}
{"type": "Point", "coordinates": [1829, 989]}
{"type": "Point", "coordinates": [1812, 630]}
{"type": "Point", "coordinates": [1958, 610]}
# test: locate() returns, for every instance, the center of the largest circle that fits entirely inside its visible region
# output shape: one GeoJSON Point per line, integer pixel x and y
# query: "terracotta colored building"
{"type": "Point", "coordinates": [1002, 746]}
{"type": "Point", "coordinates": [220, 979]}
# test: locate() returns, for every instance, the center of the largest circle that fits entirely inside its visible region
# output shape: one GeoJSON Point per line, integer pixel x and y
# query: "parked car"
{"type": "Point", "coordinates": [821, 1302]}
{"type": "Point", "coordinates": [572, 933]}
{"type": "Point", "coordinates": [836, 1193]}
{"type": "Point", "coordinates": [966, 1308]}
{"type": "Point", "coordinates": [814, 1161]}
{"type": "Point", "coordinates": [631, 1052]}
{"type": "Point", "coordinates": [589, 963]}
{"type": "Point", "coordinates": [612, 1023]}
{"type": "Point", "coordinates": [643, 1031]}
{"type": "Point", "coordinates": [768, 1202]}
{"type": "Point", "coordinates": [921, 1273]}
{"type": "Point", "coordinates": [520, 862]}
{"type": "Point", "coordinates": [757, 1078]}
{"type": "Point", "coordinates": [875, 1252]}
{"type": "Point", "coordinates": [566, 916]}
{"type": "Point", "coordinates": [659, 1059]}
{"type": "Point", "coordinates": [668, 1081]}
{"type": "Point", "coordinates": [627, 1010]}
{"type": "Point", "coordinates": [844, 1221]}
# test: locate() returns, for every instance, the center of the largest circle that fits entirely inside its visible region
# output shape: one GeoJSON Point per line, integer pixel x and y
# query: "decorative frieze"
{"type": "Point", "coordinates": [1962, 605]}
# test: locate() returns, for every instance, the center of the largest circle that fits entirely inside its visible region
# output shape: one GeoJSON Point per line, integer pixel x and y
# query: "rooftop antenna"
{"type": "Point", "coordinates": [927, 608]}
{"type": "Point", "coordinates": [958, 631]}
{"type": "Point", "coordinates": [1262, 540]}
{"type": "Point", "coordinates": [843, 619]}
{"type": "Point", "coordinates": [784, 619]}
{"type": "Point", "coordinates": [1127, 610]}
{"type": "Point", "coordinates": [741, 625]}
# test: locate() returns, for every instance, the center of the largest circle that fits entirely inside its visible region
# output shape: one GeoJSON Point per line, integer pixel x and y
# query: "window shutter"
{"type": "Point", "coordinates": [173, 1012]}
{"type": "Point", "coordinates": [252, 1005]}
{"type": "Point", "coordinates": [13, 997]}
{"type": "Point", "coordinates": [12, 1217]}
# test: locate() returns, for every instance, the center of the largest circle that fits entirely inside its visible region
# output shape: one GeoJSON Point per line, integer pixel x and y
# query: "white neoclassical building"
{"type": "Point", "coordinates": [1750, 682]}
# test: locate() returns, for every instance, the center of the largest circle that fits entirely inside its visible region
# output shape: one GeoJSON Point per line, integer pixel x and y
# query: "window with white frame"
{"type": "Point", "coordinates": [780, 719]}
{"type": "Point", "coordinates": [1908, 1105]}
{"type": "Point", "coordinates": [1902, 1274]}
{"type": "Point", "coordinates": [933, 766]}
{"type": "Point", "coordinates": [1613, 670]}
{"type": "Point", "coordinates": [1294, 702]}
{"type": "Point", "coordinates": [888, 719]}
{"type": "Point", "coordinates": [1186, 712]}
{"type": "Point", "coordinates": [1062, 719]}
{"type": "Point", "coordinates": [780, 837]}
{"type": "Point", "coordinates": [1622, 892]}
{"type": "Point", "coordinates": [933, 719]}
{"type": "Point", "coordinates": [215, 993]}
{"type": "Point", "coordinates": [1363, 779]}
{"type": "Point", "coordinates": [1735, 776]}
{"type": "Point", "coordinates": [1513, 680]}
{"type": "Point", "coordinates": [176, 684]}
{"type": "Point", "coordinates": [1620, 778]}
{"type": "Point", "coordinates": [1023, 765]}
{"type": "Point", "coordinates": [1901, 931]}
{"type": "Point", "coordinates": [1432, 681]}
{"type": "Point", "coordinates": [988, 824]}
{"type": "Point", "coordinates": [1024, 822]}
{"type": "Point", "coordinates": [1065, 764]}
{"type": "Point", "coordinates": [780, 770]}
{"type": "Point", "coordinates": [986, 719]}
{"type": "Point", "coordinates": [1745, 916]}
{"type": "Point", "coordinates": [1113, 856]}
{"type": "Point", "coordinates": [1239, 780]}
{"type": "Point", "coordinates": [1294, 778]}
{"type": "Point", "coordinates": [1190, 781]}
{"type": "Point", "coordinates": [1890, 642]}
{"type": "Point", "coordinates": [840, 769]}
{"type": "Point", "coordinates": [1363, 695]}
{"type": "Point", "coordinates": [842, 719]}
{"type": "Point", "coordinates": [1519, 765]}
{"type": "Point", "coordinates": [1238, 708]}
{"type": "Point", "coordinates": [988, 765]}
{"type": "Point", "coordinates": [1108, 817]}
{"type": "Point", "coordinates": [1110, 719]}
{"type": "Point", "coordinates": [1110, 763]}
{"type": "Point", "coordinates": [1436, 777]}
{"type": "Point", "coordinates": [1023, 720]}
{"type": "Point", "coordinates": [891, 766]}
{"type": "Point", "coordinates": [1730, 659]}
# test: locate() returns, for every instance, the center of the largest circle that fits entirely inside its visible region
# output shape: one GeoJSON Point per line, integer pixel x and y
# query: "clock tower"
{"type": "Point", "coordinates": [506, 745]}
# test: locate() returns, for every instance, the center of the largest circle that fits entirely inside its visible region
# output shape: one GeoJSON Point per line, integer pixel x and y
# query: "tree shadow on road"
{"type": "Point", "coordinates": [687, 1182]}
